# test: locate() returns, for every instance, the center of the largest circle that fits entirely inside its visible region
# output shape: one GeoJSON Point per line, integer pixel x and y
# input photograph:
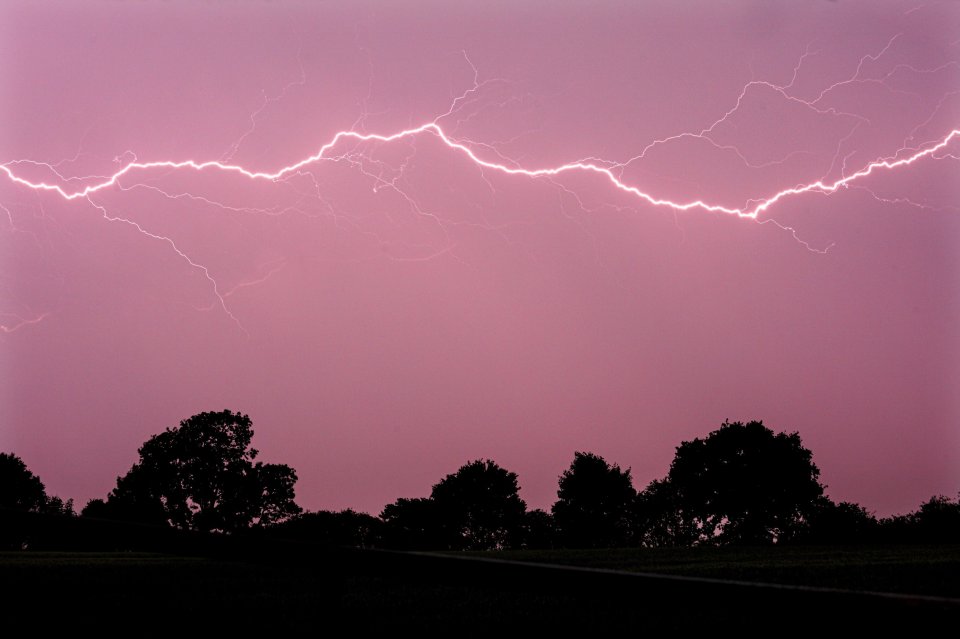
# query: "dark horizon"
{"type": "Point", "coordinates": [741, 484]}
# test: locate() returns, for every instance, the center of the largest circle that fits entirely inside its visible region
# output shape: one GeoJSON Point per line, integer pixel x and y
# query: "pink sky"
{"type": "Point", "coordinates": [396, 309]}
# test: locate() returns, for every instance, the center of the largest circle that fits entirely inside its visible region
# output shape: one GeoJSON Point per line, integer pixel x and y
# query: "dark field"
{"type": "Point", "coordinates": [152, 594]}
{"type": "Point", "coordinates": [923, 570]}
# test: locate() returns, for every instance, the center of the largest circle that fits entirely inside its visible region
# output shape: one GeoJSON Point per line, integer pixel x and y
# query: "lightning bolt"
{"type": "Point", "coordinates": [20, 322]}
{"type": "Point", "coordinates": [435, 129]}
{"type": "Point", "coordinates": [486, 157]}
{"type": "Point", "coordinates": [163, 238]}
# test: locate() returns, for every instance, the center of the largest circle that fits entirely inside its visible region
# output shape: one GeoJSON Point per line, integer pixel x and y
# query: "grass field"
{"type": "Point", "coordinates": [145, 594]}
{"type": "Point", "coordinates": [153, 594]}
{"type": "Point", "coordinates": [925, 570]}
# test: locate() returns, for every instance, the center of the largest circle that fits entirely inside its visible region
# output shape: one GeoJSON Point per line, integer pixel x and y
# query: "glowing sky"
{"type": "Point", "coordinates": [396, 307]}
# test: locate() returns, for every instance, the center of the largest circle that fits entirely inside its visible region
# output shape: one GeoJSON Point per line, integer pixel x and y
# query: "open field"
{"type": "Point", "coordinates": [923, 570]}
{"type": "Point", "coordinates": [156, 594]}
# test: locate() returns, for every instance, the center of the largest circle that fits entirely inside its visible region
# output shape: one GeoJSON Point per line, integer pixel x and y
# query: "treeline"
{"type": "Point", "coordinates": [741, 484]}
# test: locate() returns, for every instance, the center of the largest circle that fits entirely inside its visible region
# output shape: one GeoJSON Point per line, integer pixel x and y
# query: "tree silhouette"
{"type": "Point", "coordinates": [659, 518]}
{"type": "Point", "coordinates": [744, 484]}
{"type": "Point", "coordinates": [594, 502]}
{"type": "Point", "coordinates": [479, 507]}
{"type": "Point", "coordinates": [343, 528]}
{"type": "Point", "coordinates": [938, 520]}
{"type": "Point", "coordinates": [21, 490]}
{"type": "Point", "coordinates": [538, 530]}
{"type": "Point", "coordinates": [412, 524]}
{"type": "Point", "coordinates": [202, 476]}
{"type": "Point", "coordinates": [840, 523]}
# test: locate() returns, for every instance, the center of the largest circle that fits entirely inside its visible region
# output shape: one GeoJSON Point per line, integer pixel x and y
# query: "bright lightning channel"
{"type": "Point", "coordinates": [437, 130]}
{"type": "Point", "coordinates": [612, 171]}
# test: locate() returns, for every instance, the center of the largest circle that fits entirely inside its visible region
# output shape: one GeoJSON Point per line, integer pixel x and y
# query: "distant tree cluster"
{"type": "Point", "coordinates": [741, 484]}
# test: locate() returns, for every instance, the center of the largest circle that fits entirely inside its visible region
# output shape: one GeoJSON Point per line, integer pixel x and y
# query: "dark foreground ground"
{"type": "Point", "coordinates": [144, 594]}
{"type": "Point", "coordinates": [919, 570]}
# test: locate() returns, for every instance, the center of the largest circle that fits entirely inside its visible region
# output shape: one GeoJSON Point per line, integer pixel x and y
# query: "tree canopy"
{"type": "Point", "coordinates": [740, 484]}
{"type": "Point", "coordinates": [938, 520]}
{"type": "Point", "coordinates": [476, 508]}
{"type": "Point", "coordinates": [413, 524]}
{"type": "Point", "coordinates": [659, 518]}
{"type": "Point", "coordinates": [202, 475]}
{"type": "Point", "coordinates": [21, 490]}
{"type": "Point", "coordinates": [594, 503]}
{"type": "Point", "coordinates": [342, 528]}
{"type": "Point", "coordinates": [480, 506]}
{"type": "Point", "coordinates": [839, 524]}
{"type": "Point", "coordinates": [744, 483]}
